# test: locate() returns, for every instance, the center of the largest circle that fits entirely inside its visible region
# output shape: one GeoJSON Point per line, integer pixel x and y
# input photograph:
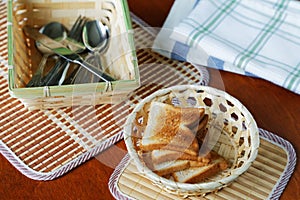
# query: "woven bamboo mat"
{"type": "Point", "coordinates": [265, 179]}
{"type": "Point", "coordinates": [44, 145]}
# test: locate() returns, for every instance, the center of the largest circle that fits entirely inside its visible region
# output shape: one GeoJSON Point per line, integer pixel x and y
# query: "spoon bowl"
{"type": "Point", "coordinates": [96, 36]}
{"type": "Point", "coordinates": [55, 31]}
{"type": "Point", "coordinates": [58, 32]}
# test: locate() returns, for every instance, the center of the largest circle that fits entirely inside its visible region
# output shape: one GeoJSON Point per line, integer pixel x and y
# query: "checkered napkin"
{"type": "Point", "coordinates": [258, 38]}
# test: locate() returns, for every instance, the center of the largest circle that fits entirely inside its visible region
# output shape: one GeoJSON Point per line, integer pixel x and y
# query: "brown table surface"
{"type": "Point", "coordinates": [275, 109]}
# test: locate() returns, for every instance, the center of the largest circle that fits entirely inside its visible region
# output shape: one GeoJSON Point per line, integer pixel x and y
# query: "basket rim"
{"type": "Point", "coordinates": [188, 187]}
{"type": "Point", "coordinates": [31, 93]}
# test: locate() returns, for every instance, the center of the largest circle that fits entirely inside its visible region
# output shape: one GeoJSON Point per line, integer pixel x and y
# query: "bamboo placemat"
{"type": "Point", "coordinates": [265, 179]}
{"type": "Point", "coordinates": [44, 145]}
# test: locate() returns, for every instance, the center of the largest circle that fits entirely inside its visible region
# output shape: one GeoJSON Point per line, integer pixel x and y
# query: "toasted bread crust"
{"type": "Point", "coordinates": [166, 120]}
{"type": "Point", "coordinates": [198, 174]}
{"type": "Point", "coordinates": [171, 142]}
{"type": "Point", "coordinates": [165, 168]}
{"type": "Point", "coordinates": [175, 115]}
{"type": "Point", "coordinates": [192, 149]}
{"type": "Point", "coordinates": [159, 156]}
{"type": "Point", "coordinates": [182, 140]}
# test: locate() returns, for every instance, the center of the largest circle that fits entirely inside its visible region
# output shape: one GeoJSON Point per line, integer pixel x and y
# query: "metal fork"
{"type": "Point", "coordinates": [57, 75]}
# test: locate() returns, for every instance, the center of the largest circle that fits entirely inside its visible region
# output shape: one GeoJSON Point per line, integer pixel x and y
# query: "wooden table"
{"type": "Point", "coordinates": [275, 109]}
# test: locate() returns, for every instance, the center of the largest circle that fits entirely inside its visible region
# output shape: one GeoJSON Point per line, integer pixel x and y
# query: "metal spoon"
{"type": "Point", "coordinates": [95, 37]}
{"type": "Point", "coordinates": [58, 73]}
{"type": "Point", "coordinates": [55, 31]}
{"type": "Point", "coordinates": [64, 52]}
{"type": "Point", "coordinates": [58, 32]}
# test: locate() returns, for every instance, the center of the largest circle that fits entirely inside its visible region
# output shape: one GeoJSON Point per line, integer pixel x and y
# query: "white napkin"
{"type": "Point", "coordinates": [252, 37]}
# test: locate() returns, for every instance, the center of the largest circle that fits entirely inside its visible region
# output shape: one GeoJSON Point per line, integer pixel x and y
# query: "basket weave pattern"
{"type": "Point", "coordinates": [119, 59]}
{"type": "Point", "coordinates": [46, 144]}
{"type": "Point", "coordinates": [237, 141]}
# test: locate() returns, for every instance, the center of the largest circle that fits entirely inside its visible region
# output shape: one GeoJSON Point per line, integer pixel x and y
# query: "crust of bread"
{"type": "Point", "coordinates": [183, 141]}
{"type": "Point", "coordinates": [198, 174]}
{"type": "Point", "coordinates": [162, 155]}
{"type": "Point", "coordinates": [170, 167]}
{"type": "Point", "coordinates": [175, 145]}
{"type": "Point", "coordinates": [197, 163]}
{"type": "Point", "coordinates": [166, 120]}
{"type": "Point", "coordinates": [201, 129]}
{"type": "Point", "coordinates": [170, 144]}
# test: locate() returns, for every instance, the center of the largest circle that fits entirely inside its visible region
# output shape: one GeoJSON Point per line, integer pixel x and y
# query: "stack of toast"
{"type": "Point", "coordinates": [174, 144]}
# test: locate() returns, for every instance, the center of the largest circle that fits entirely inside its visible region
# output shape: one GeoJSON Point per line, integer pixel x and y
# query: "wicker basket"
{"type": "Point", "coordinates": [24, 57]}
{"type": "Point", "coordinates": [238, 139]}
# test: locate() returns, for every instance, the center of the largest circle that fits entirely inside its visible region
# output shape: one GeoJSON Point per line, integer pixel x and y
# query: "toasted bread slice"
{"type": "Point", "coordinates": [201, 129]}
{"type": "Point", "coordinates": [162, 155]}
{"type": "Point", "coordinates": [169, 167]}
{"type": "Point", "coordinates": [152, 144]}
{"type": "Point", "coordinates": [165, 119]}
{"type": "Point", "coordinates": [183, 141]}
{"type": "Point", "coordinates": [167, 128]}
{"type": "Point", "coordinates": [194, 163]}
{"type": "Point", "coordinates": [198, 174]}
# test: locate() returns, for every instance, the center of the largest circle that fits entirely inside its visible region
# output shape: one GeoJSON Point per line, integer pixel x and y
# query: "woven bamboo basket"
{"type": "Point", "coordinates": [235, 130]}
{"type": "Point", "coordinates": [120, 58]}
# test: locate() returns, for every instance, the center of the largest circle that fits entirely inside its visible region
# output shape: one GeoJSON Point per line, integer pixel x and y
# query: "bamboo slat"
{"type": "Point", "coordinates": [119, 60]}
{"type": "Point", "coordinates": [127, 183]}
{"type": "Point", "coordinates": [45, 144]}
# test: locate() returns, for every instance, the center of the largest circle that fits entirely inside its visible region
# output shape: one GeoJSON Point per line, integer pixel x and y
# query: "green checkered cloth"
{"type": "Point", "coordinates": [257, 37]}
